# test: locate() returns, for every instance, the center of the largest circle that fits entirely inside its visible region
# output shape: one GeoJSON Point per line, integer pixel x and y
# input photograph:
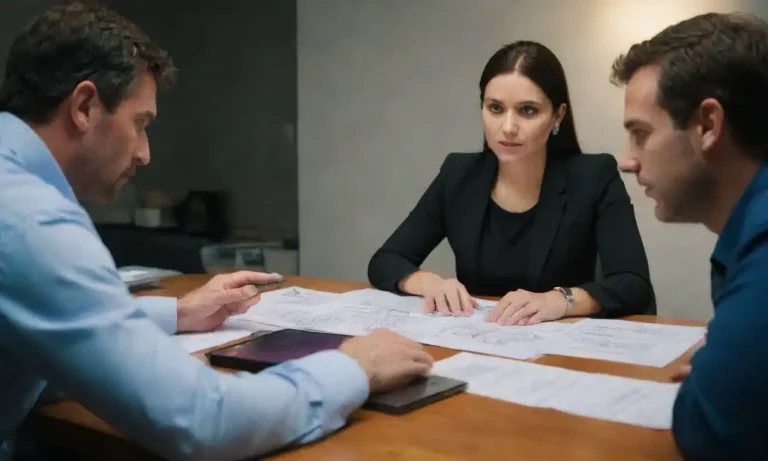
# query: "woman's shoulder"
{"type": "Point", "coordinates": [591, 167]}
{"type": "Point", "coordinates": [457, 159]}
{"type": "Point", "coordinates": [457, 163]}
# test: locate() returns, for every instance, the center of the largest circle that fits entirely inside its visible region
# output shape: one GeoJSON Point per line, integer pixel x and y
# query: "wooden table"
{"type": "Point", "coordinates": [464, 427]}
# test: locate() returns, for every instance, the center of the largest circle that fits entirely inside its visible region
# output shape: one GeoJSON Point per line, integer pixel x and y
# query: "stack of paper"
{"type": "Point", "coordinates": [612, 398]}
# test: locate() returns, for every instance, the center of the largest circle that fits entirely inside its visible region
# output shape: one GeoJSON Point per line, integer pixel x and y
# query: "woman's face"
{"type": "Point", "coordinates": [517, 117]}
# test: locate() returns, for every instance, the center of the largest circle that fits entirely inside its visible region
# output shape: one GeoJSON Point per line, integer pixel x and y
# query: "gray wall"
{"type": "Point", "coordinates": [230, 122]}
{"type": "Point", "coordinates": [388, 88]}
{"type": "Point", "coordinates": [14, 14]}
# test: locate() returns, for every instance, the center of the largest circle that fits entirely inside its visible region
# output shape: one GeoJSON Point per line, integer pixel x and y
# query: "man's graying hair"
{"type": "Point", "coordinates": [73, 43]}
{"type": "Point", "coordinates": [720, 56]}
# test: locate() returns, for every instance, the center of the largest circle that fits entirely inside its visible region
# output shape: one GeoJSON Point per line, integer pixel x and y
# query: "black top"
{"type": "Point", "coordinates": [583, 211]}
{"type": "Point", "coordinates": [504, 244]}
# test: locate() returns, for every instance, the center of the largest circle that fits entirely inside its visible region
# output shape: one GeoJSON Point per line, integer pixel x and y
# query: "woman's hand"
{"type": "Point", "coordinates": [522, 307]}
{"type": "Point", "coordinates": [448, 297]}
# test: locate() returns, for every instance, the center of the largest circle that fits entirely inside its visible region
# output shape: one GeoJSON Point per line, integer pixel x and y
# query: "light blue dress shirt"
{"type": "Point", "coordinates": [67, 321]}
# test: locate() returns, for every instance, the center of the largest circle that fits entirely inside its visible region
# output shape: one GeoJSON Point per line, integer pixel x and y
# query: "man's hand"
{"type": "Point", "coordinates": [223, 296]}
{"type": "Point", "coordinates": [389, 359]}
{"type": "Point", "coordinates": [685, 369]}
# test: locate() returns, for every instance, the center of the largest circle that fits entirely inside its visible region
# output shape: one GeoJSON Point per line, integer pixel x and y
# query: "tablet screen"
{"type": "Point", "coordinates": [283, 345]}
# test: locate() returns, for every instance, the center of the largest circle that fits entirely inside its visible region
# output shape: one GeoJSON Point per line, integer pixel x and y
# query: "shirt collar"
{"type": "Point", "coordinates": [21, 141]}
{"type": "Point", "coordinates": [729, 240]}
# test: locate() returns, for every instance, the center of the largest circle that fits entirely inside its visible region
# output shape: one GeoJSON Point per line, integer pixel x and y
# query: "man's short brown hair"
{"type": "Point", "coordinates": [720, 56]}
{"type": "Point", "coordinates": [73, 43]}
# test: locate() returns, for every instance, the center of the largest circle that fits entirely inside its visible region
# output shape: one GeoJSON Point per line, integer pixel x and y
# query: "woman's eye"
{"type": "Point", "coordinates": [528, 110]}
{"type": "Point", "coordinates": [495, 108]}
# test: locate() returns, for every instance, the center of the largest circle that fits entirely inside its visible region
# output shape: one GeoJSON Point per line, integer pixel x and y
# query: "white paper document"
{"type": "Point", "coordinates": [129, 276]}
{"type": "Point", "coordinates": [230, 331]}
{"type": "Point", "coordinates": [295, 296]}
{"type": "Point", "coordinates": [630, 401]}
{"type": "Point", "coordinates": [404, 303]}
{"type": "Point", "coordinates": [195, 342]}
{"type": "Point", "coordinates": [360, 312]}
{"type": "Point", "coordinates": [623, 341]}
{"type": "Point", "coordinates": [477, 335]}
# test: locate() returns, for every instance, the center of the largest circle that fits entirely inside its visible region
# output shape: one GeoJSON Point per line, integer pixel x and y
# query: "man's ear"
{"type": "Point", "coordinates": [84, 104]}
{"type": "Point", "coordinates": [710, 118]}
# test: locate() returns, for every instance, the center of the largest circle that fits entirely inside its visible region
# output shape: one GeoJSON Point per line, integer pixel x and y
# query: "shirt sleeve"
{"type": "Point", "coordinates": [66, 311]}
{"type": "Point", "coordinates": [161, 310]}
{"type": "Point", "coordinates": [721, 411]}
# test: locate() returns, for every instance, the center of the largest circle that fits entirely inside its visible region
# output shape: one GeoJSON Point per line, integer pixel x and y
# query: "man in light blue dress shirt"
{"type": "Point", "coordinates": [78, 94]}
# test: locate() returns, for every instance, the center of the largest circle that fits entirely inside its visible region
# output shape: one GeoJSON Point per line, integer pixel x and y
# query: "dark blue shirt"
{"type": "Point", "coordinates": [721, 412]}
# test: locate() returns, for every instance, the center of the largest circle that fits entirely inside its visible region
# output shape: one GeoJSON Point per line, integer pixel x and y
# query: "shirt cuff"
{"type": "Point", "coordinates": [161, 310]}
{"type": "Point", "coordinates": [343, 381]}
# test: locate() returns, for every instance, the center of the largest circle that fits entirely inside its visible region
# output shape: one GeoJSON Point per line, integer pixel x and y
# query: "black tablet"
{"type": "Point", "coordinates": [415, 394]}
{"type": "Point", "coordinates": [273, 348]}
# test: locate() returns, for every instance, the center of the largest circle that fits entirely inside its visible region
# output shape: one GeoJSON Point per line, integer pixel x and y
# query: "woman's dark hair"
{"type": "Point", "coordinates": [538, 63]}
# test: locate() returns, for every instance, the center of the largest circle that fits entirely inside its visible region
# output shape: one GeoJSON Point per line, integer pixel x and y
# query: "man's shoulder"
{"type": "Point", "coordinates": [753, 231]}
{"type": "Point", "coordinates": [755, 220]}
{"type": "Point", "coordinates": [27, 200]}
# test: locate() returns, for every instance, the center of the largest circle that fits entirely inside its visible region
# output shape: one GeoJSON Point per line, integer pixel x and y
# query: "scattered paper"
{"type": "Point", "coordinates": [287, 307]}
{"type": "Point", "coordinates": [623, 341]}
{"type": "Point", "coordinates": [406, 303]}
{"type": "Point", "coordinates": [295, 296]}
{"type": "Point", "coordinates": [630, 401]}
{"type": "Point", "coordinates": [195, 342]}
{"type": "Point", "coordinates": [485, 306]}
{"type": "Point", "coordinates": [382, 300]}
{"type": "Point", "coordinates": [129, 276]}
{"type": "Point", "coordinates": [231, 330]}
{"type": "Point", "coordinates": [519, 342]}
{"type": "Point", "coordinates": [359, 312]}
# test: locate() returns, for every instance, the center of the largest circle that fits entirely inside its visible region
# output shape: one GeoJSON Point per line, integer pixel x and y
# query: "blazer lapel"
{"type": "Point", "coordinates": [546, 222]}
{"type": "Point", "coordinates": [473, 207]}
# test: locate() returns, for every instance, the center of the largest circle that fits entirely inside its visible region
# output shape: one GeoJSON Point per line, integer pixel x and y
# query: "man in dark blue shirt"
{"type": "Point", "coordinates": [695, 101]}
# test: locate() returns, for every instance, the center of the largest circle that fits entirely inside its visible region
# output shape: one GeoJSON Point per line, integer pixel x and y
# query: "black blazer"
{"type": "Point", "coordinates": [583, 211]}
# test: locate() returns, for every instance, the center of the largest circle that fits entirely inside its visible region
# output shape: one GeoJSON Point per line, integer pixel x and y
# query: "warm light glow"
{"type": "Point", "coordinates": [629, 21]}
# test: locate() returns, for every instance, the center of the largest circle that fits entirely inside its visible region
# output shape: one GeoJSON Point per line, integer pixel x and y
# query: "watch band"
{"type": "Point", "coordinates": [568, 293]}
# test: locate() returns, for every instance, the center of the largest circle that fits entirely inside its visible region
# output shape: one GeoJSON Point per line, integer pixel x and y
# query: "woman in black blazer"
{"type": "Point", "coordinates": [528, 216]}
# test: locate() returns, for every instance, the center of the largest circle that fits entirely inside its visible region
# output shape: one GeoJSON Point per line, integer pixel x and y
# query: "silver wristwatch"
{"type": "Point", "coordinates": [568, 293]}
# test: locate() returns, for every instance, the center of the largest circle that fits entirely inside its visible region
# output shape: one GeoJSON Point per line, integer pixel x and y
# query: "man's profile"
{"type": "Point", "coordinates": [695, 112]}
{"type": "Point", "coordinates": [78, 94]}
